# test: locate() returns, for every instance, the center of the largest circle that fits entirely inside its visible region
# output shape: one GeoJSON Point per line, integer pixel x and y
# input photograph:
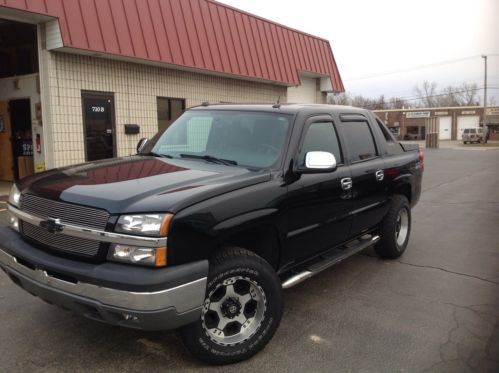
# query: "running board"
{"type": "Point", "coordinates": [331, 258]}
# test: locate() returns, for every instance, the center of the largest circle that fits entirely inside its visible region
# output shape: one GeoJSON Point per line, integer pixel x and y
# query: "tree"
{"type": "Point", "coordinates": [339, 99]}
{"type": "Point", "coordinates": [426, 93]}
{"type": "Point", "coordinates": [468, 94]}
{"type": "Point", "coordinates": [465, 94]}
{"type": "Point", "coordinates": [397, 103]}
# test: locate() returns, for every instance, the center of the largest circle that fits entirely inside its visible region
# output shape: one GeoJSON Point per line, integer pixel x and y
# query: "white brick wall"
{"type": "Point", "coordinates": [135, 88]}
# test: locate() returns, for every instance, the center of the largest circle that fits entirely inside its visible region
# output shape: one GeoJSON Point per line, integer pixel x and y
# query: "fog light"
{"type": "Point", "coordinates": [14, 222]}
{"type": "Point", "coordinates": [130, 317]}
{"type": "Point", "coordinates": [155, 257]}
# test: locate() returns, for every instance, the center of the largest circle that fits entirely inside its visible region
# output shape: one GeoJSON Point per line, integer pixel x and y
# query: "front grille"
{"type": "Point", "coordinates": [68, 213]}
{"type": "Point", "coordinates": [61, 242]}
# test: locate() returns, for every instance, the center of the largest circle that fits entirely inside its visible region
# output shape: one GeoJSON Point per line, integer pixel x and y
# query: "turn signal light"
{"type": "Point", "coordinates": [421, 158]}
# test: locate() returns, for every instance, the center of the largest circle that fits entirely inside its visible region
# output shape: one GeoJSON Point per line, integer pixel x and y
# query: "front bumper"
{"type": "Point", "coordinates": [141, 298]}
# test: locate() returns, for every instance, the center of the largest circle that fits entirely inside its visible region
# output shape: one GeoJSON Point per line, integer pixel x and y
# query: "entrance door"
{"type": "Point", "coordinates": [98, 120]}
{"type": "Point", "coordinates": [445, 128]}
{"type": "Point", "coordinates": [6, 160]}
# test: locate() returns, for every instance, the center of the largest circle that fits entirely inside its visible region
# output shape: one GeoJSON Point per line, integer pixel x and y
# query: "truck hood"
{"type": "Point", "coordinates": [140, 183]}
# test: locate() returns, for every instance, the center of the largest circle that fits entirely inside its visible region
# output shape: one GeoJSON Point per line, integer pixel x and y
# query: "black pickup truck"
{"type": "Point", "coordinates": [204, 227]}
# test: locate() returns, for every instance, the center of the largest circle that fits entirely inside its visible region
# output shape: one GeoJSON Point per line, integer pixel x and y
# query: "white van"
{"type": "Point", "coordinates": [471, 135]}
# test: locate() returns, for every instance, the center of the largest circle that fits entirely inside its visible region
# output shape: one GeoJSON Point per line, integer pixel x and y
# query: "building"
{"type": "Point", "coordinates": [409, 124]}
{"type": "Point", "coordinates": [85, 80]}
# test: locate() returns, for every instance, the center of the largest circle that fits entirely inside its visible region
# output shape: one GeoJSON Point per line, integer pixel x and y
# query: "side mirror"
{"type": "Point", "coordinates": [142, 142]}
{"type": "Point", "coordinates": [316, 162]}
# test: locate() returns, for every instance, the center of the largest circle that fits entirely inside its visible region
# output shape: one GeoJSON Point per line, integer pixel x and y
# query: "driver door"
{"type": "Point", "coordinates": [318, 217]}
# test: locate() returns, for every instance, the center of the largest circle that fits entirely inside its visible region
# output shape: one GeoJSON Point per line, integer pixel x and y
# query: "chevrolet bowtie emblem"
{"type": "Point", "coordinates": [52, 225]}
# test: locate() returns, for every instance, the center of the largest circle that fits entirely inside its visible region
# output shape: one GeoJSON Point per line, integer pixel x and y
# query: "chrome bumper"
{"type": "Point", "coordinates": [159, 310]}
{"type": "Point", "coordinates": [183, 298]}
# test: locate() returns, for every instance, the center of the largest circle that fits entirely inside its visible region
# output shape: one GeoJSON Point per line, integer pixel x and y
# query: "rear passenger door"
{"type": "Point", "coordinates": [369, 188]}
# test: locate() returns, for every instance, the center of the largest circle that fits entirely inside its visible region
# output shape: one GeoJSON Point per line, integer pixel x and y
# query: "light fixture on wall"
{"type": "Point", "coordinates": [17, 84]}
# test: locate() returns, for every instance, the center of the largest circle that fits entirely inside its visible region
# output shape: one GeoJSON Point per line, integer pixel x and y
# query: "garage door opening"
{"type": "Point", "coordinates": [20, 105]}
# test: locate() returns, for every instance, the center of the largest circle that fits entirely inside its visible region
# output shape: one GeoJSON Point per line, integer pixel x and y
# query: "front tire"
{"type": "Point", "coordinates": [395, 229]}
{"type": "Point", "coordinates": [242, 309]}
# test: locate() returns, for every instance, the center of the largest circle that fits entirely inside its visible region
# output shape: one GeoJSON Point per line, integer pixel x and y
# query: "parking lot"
{"type": "Point", "coordinates": [436, 309]}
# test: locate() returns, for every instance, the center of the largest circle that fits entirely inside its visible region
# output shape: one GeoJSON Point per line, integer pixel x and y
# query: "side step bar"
{"type": "Point", "coordinates": [331, 258]}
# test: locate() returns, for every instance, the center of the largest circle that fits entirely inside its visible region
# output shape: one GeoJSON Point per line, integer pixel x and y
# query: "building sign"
{"type": "Point", "coordinates": [441, 113]}
{"type": "Point", "coordinates": [468, 112]}
{"type": "Point", "coordinates": [396, 124]}
{"type": "Point", "coordinates": [493, 111]}
{"type": "Point", "coordinates": [418, 114]}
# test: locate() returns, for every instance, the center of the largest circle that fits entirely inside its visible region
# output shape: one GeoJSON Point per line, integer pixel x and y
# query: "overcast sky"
{"type": "Point", "coordinates": [372, 38]}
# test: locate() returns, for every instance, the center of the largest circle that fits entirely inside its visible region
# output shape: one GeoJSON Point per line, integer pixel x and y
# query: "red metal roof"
{"type": "Point", "coordinates": [202, 34]}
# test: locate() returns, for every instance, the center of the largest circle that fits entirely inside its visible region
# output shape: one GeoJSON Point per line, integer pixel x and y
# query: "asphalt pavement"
{"type": "Point", "coordinates": [434, 310]}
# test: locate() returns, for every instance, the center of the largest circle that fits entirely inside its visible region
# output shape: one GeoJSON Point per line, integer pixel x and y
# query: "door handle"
{"type": "Point", "coordinates": [346, 183]}
{"type": "Point", "coordinates": [380, 175]}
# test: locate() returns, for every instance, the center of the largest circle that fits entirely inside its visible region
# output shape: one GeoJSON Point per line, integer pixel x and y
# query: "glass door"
{"type": "Point", "coordinates": [99, 123]}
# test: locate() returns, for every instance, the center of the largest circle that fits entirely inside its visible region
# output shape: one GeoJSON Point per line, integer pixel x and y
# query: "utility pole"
{"type": "Point", "coordinates": [485, 128]}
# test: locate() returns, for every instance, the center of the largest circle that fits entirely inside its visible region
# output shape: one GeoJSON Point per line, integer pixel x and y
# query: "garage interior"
{"type": "Point", "coordinates": [18, 85]}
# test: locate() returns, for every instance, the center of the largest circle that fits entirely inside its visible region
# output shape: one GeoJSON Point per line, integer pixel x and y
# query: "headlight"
{"type": "Point", "coordinates": [14, 195]}
{"type": "Point", "coordinates": [155, 257]}
{"type": "Point", "coordinates": [144, 225]}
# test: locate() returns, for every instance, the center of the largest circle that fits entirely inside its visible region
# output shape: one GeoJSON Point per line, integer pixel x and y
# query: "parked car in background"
{"type": "Point", "coordinates": [471, 135]}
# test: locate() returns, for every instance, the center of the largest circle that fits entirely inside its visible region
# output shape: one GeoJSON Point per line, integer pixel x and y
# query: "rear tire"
{"type": "Point", "coordinates": [241, 312]}
{"type": "Point", "coordinates": [395, 229]}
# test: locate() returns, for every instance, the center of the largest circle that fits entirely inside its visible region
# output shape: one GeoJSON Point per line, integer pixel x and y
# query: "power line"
{"type": "Point", "coordinates": [420, 98]}
{"type": "Point", "coordinates": [415, 98]}
{"type": "Point", "coordinates": [420, 67]}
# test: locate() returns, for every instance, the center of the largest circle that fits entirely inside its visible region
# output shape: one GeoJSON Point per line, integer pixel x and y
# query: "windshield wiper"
{"type": "Point", "coordinates": [210, 158]}
{"type": "Point", "coordinates": [154, 154]}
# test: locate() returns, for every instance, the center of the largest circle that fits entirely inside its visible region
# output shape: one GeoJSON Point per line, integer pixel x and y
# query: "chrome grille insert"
{"type": "Point", "coordinates": [68, 213]}
{"type": "Point", "coordinates": [61, 242]}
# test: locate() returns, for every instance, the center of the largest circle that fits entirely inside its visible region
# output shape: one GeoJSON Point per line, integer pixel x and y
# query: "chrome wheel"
{"type": "Point", "coordinates": [233, 312]}
{"type": "Point", "coordinates": [402, 228]}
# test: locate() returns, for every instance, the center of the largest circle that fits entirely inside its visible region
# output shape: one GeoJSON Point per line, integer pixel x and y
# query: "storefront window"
{"type": "Point", "coordinates": [169, 109]}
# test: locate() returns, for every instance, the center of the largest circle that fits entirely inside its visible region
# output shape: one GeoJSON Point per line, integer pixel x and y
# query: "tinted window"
{"type": "Point", "coordinates": [359, 140]}
{"type": "Point", "coordinates": [320, 136]}
{"type": "Point", "coordinates": [392, 146]}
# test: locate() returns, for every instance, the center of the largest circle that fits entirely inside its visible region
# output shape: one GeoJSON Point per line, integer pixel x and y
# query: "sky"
{"type": "Point", "coordinates": [389, 46]}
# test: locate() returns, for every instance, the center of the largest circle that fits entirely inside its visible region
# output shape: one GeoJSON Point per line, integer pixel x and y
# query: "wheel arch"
{"type": "Point", "coordinates": [262, 239]}
{"type": "Point", "coordinates": [404, 187]}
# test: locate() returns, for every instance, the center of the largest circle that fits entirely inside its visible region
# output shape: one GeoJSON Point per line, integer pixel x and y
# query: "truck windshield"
{"type": "Point", "coordinates": [249, 139]}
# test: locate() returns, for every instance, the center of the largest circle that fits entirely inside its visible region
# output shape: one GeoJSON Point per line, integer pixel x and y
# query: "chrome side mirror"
{"type": "Point", "coordinates": [320, 161]}
{"type": "Point", "coordinates": [142, 142]}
